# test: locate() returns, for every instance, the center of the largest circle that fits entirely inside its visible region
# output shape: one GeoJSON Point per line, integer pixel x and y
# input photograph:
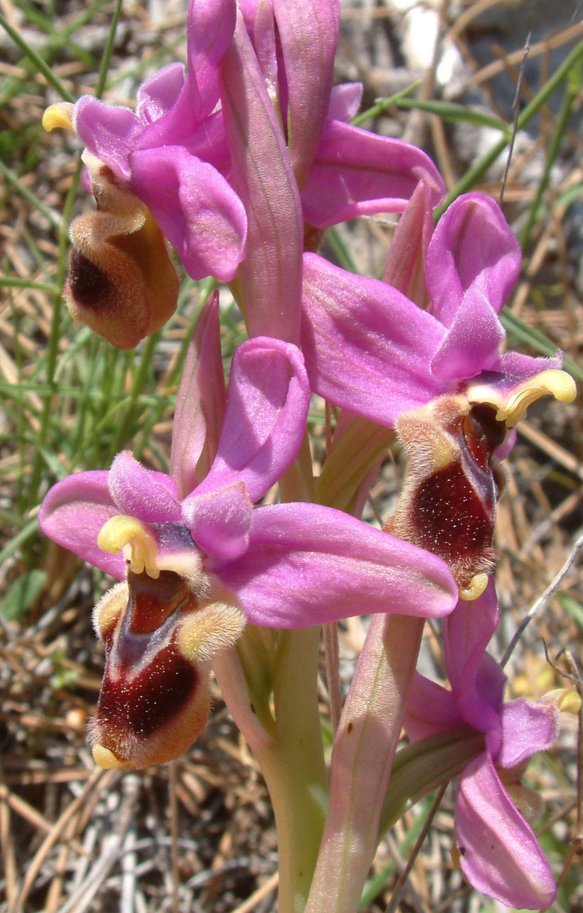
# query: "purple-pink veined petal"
{"type": "Point", "coordinates": [72, 514]}
{"type": "Point", "coordinates": [309, 36]}
{"type": "Point", "coordinates": [265, 421]}
{"type": "Point", "coordinates": [526, 729]}
{"type": "Point", "coordinates": [307, 564]}
{"type": "Point", "coordinates": [159, 93]}
{"type": "Point", "coordinates": [345, 101]}
{"type": "Point", "coordinates": [143, 493]}
{"type": "Point", "coordinates": [430, 710]}
{"type": "Point", "coordinates": [200, 405]}
{"type": "Point", "coordinates": [269, 278]}
{"type": "Point", "coordinates": [210, 27]}
{"type": "Point", "coordinates": [107, 132]}
{"type": "Point", "coordinates": [195, 207]}
{"type": "Point", "coordinates": [357, 173]}
{"type": "Point", "coordinates": [367, 347]}
{"type": "Point", "coordinates": [499, 852]}
{"type": "Point", "coordinates": [219, 521]}
{"type": "Point", "coordinates": [473, 249]}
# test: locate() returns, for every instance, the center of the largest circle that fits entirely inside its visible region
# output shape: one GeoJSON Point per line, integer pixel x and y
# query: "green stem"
{"type": "Point", "coordinates": [293, 766]}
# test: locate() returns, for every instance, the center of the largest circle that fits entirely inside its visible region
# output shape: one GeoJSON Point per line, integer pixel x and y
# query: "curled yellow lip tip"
{"type": "Point", "coordinates": [553, 382]}
{"type": "Point", "coordinates": [122, 533]}
{"type": "Point", "coordinates": [475, 588]}
{"type": "Point", "coordinates": [511, 408]}
{"type": "Point", "coordinates": [106, 759]}
{"type": "Point", "coordinates": [59, 116]}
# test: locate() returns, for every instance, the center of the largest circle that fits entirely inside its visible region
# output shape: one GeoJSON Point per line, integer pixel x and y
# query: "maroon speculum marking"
{"type": "Point", "coordinates": [145, 702]}
{"type": "Point", "coordinates": [452, 510]}
{"type": "Point", "coordinates": [88, 284]}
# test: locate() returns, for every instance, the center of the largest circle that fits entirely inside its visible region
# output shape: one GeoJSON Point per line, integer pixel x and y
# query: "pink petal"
{"type": "Point", "coordinates": [210, 27]}
{"type": "Point", "coordinates": [473, 263]}
{"type": "Point", "coordinates": [267, 407]}
{"type": "Point", "coordinates": [219, 522]}
{"type": "Point", "coordinates": [430, 710]}
{"type": "Point", "coordinates": [367, 347]}
{"type": "Point", "coordinates": [195, 207]}
{"type": "Point", "coordinates": [142, 493]}
{"type": "Point", "coordinates": [200, 405]}
{"type": "Point", "coordinates": [269, 279]}
{"type": "Point", "coordinates": [473, 249]}
{"type": "Point", "coordinates": [345, 101]}
{"type": "Point", "coordinates": [405, 265]}
{"type": "Point", "coordinates": [472, 342]}
{"type": "Point", "coordinates": [158, 93]}
{"type": "Point", "coordinates": [357, 173]}
{"type": "Point", "coordinates": [499, 852]}
{"type": "Point", "coordinates": [309, 36]}
{"type": "Point", "coordinates": [307, 564]}
{"type": "Point", "coordinates": [477, 681]}
{"type": "Point", "coordinates": [526, 729]}
{"type": "Point", "coordinates": [72, 514]}
{"type": "Point", "coordinates": [466, 635]}
{"type": "Point", "coordinates": [108, 132]}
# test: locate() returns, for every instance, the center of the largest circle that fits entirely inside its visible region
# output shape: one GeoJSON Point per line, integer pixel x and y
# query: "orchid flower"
{"type": "Point", "coordinates": [437, 375]}
{"type": "Point", "coordinates": [191, 559]}
{"type": "Point", "coordinates": [165, 165]}
{"type": "Point", "coordinates": [498, 850]}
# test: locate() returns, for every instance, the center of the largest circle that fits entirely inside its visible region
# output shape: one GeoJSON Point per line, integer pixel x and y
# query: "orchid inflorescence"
{"type": "Point", "coordinates": [241, 161]}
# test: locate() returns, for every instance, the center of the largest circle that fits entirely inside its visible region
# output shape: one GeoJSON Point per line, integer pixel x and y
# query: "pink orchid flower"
{"type": "Point", "coordinates": [498, 850]}
{"type": "Point", "coordinates": [190, 545]}
{"type": "Point", "coordinates": [436, 375]}
{"type": "Point", "coordinates": [371, 349]}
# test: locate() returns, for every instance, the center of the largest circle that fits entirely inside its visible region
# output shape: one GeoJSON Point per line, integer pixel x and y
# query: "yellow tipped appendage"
{"type": "Point", "coordinates": [58, 117]}
{"type": "Point", "coordinates": [475, 588]}
{"type": "Point", "coordinates": [567, 700]}
{"type": "Point", "coordinates": [129, 535]}
{"type": "Point", "coordinates": [106, 759]}
{"type": "Point", "coordinates": [512, 409]}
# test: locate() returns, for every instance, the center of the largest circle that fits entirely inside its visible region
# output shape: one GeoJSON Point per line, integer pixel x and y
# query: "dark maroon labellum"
{"type": "Point", "coordinates": [451, 510]}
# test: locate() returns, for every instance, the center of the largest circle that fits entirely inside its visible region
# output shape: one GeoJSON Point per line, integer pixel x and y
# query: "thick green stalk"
{"type": "Point", "coordinates": [293, 766]}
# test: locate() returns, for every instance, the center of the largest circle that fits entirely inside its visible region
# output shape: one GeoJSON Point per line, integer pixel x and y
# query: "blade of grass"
{"type": "Point", "coordinates": [452, 112]}
{"type": "Point", "coordinates": [573, 87]}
